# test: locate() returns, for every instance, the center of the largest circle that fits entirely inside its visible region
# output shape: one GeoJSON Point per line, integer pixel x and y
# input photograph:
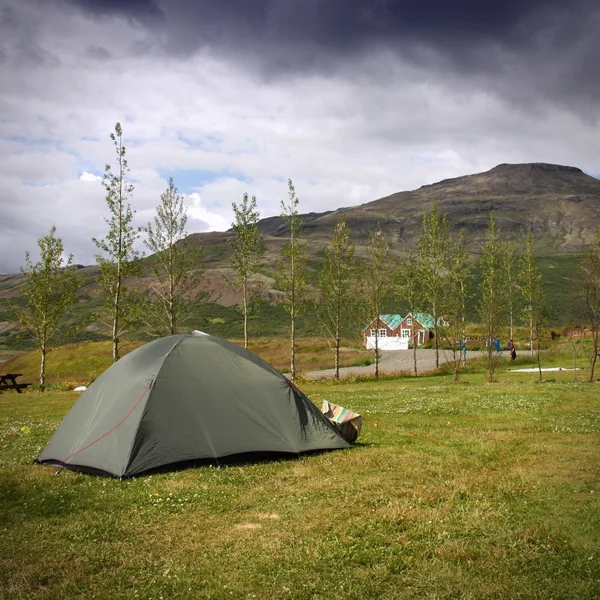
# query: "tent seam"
{"type": "Point", "coordinates": [151, 387]}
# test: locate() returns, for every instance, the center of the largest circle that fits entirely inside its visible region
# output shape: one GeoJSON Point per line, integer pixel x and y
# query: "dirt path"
{"type": "Point", "coordinates": [393, 361]}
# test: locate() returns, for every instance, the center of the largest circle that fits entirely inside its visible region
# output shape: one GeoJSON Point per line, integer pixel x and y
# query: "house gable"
{"type": "Point", "coordinates": [389, 324]}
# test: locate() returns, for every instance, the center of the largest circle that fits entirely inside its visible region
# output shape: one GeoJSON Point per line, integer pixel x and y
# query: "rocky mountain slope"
{"type": "Point", "coordinates": [559, 204]}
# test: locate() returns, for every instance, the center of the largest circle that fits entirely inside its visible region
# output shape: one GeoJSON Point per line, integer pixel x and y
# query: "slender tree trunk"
{"type": "Point", "coordinates": [595, 349]}
{"type": "Point", "coordinates": [337, 354]}
{"type": "Point", "coordinates": [245, 309]}
{"type": "Point", "coordinates": [115, 330]}
{"type": "Point", "coordinates": [538, 354]}
{"type": "Point", "coordinates": [490, 357]}
{"type": "Point", "coordinates": [377, 352]}
{"type": "Point", "coordinates": [43, 368]}
{"type": "Point", "coordinates": [293, 349]}
{"type": "Point", "coordinates": [415, 343]}
{"type": "Point", "coordinates": [463, 295]}
{"type": "Point", "coordinates": [456, 359]}
{"type": "Point", "coordinates": [293, 309]}
{"type": "Point", "coordinates": [437, 347]}
{"type": "Point", "coordinates": [117, 302]}
{"type": "Point", "coordinates": [172, 316]}
{"type": "Point", "coordinates": [531, 336]}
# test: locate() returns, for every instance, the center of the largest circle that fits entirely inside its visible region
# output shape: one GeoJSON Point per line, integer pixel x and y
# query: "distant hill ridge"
{"type": "Point", "coordinates": [559, 204]}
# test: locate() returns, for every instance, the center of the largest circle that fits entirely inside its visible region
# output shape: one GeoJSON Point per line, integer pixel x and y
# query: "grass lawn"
{"type": "Point", "coordinates": [454, 491]}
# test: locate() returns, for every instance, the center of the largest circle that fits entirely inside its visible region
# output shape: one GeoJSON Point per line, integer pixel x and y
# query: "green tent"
{"type": "Point", "coordinates": [186, 398]}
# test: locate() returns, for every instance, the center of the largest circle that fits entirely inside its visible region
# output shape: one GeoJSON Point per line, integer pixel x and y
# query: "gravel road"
{"type": "Point", "coordinates": [393, 361]}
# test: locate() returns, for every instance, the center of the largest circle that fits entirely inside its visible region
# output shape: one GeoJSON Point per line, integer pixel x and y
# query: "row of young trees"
{"type": "Point", "coordinates": [436, 279]}
{"type": "Point", "coordinates": [159, 307]}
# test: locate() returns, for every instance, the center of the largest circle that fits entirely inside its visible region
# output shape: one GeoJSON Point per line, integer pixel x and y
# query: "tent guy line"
{"type": "Point", "coordinates": [63, 463]}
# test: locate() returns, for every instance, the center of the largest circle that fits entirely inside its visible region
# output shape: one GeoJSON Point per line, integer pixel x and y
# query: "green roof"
{"type": "Point", "coordinates": [392, 321]}
{"type": "Point", "coordinates": [426, 319]}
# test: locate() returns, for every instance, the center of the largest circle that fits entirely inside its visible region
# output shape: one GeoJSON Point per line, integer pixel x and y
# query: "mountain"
{"type": "Point", "coordinates": [560, 205]}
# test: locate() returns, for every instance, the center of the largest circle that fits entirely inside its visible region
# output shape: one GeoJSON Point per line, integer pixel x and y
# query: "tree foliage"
{"type": "Point", "coordinates": [409, 291]}
{"type": "Point", "coordinates": [491, 307]}
{"type": "Point", "coordinates": [291, 276]}
{"type": "Point", "coordinates": [377, 283]}
{"type": "Point", "coordinates": [175, 265]}
{"type": "Point", "coordinates": [455, 301]}
{"type": "Point", "coordinates": [509, 264]}
{"type": "Point", "coordinates": [534, 301]}
{"type": "Point", "coordinates": [50, 289]}
{"type": "Point", "coordinates": [118, 260]}
{"type": "Point", "coordinates": [590, 292]}
{"type": "Point", "coordinates": [434, 248]}
{"type": "Point", "coordinates": [247, 252]}
{"type": "Point", "coordinates": [337, 303]}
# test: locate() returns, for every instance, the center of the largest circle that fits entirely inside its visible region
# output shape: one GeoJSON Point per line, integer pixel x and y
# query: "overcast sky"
{"type": "Point", "coordinates": [352, 99]}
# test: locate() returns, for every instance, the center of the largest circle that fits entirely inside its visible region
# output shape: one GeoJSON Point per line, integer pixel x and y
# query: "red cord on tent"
{"type": "Point", "coordinates": [63, 462]}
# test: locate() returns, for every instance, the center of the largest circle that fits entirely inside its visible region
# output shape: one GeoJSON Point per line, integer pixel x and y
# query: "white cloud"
{"type": "Point", "coordinates": [85, 176]}
{"type": "Point", "coordinates": [200, 216]}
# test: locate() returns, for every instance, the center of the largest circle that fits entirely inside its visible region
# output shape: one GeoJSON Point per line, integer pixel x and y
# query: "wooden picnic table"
{"type": "Point", "coordinates": [8, 381]}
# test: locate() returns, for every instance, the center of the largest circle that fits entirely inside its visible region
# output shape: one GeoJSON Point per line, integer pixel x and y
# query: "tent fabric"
{"type": "Point", "coordinates": [186, 398]}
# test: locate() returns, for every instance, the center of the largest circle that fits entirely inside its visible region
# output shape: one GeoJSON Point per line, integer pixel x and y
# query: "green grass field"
{"type": "Point", "coordinates": [454, 491]}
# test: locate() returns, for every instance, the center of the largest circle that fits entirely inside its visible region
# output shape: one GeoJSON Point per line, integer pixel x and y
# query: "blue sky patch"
{"type": "Point", "coordinates": [189, 180]}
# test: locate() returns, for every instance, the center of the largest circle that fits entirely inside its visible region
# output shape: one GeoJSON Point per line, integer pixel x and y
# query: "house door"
{"type": "Point", "coordinates": [421, 336]}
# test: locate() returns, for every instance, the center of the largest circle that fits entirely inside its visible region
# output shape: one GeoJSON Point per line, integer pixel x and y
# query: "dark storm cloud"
{"type": "Point", "coordinates": [141, 10]}
{"type": "Point", "coordinates": [525, 48]}
{"type": "Point", "coordinates": [334, 23]}
{"type": "Point", "coordinates": [19, 39]}
{"type": "Point", "coordinates": [339, 25]}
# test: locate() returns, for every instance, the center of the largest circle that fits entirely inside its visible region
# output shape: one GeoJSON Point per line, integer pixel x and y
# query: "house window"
{"type": "Point", "coordinates": [372, 332]}
{"type": "Point", "coordinates": [382, 333]}
{"type": "Point", "coordinates": [409, 321]}
{"type": "Point", "coordinates": [406, 333]}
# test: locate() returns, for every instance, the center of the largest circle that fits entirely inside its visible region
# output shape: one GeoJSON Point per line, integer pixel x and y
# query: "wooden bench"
{"type": "Point", "coordinates": [8, 381]}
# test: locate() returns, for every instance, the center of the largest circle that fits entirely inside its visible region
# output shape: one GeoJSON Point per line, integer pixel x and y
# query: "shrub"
{"type": "Point", "coordinates": [363, 362]}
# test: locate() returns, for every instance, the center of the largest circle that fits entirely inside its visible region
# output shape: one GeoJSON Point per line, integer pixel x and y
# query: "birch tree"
{"type": "Point", "coordinates": [434, 245]}
{"type": "Point", "coordinates": [118, 260]}
{"type": "Point", "coordinates": [509, 264]}
{"type": "Point", "coordinates": [590, 291]}
{"type": "Point", "coordinates": [50, 289]}
{"type": "Point", "coordinates": [291, 276]}
{"type": "Point", "coordinates": [377, 283]}
{"type": "Point", "coordinates": [175, 265]}
{"type": "Point", "coordinates": [337, 304]}
{"type": "Point", "coordinates": [410, 291]}
{"type": "Point", "coordinates": [491, 308]}
{"type": "Point", "coordinates": [455, 302]}
{"type": "Point", "coordinates": [534, 302]}
{"type": "Point", "coordinates": [247, 252]}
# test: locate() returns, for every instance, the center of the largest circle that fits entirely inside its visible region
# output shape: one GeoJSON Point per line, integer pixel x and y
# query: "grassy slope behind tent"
{"type": "Point", "coordinates": [84, 362]}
